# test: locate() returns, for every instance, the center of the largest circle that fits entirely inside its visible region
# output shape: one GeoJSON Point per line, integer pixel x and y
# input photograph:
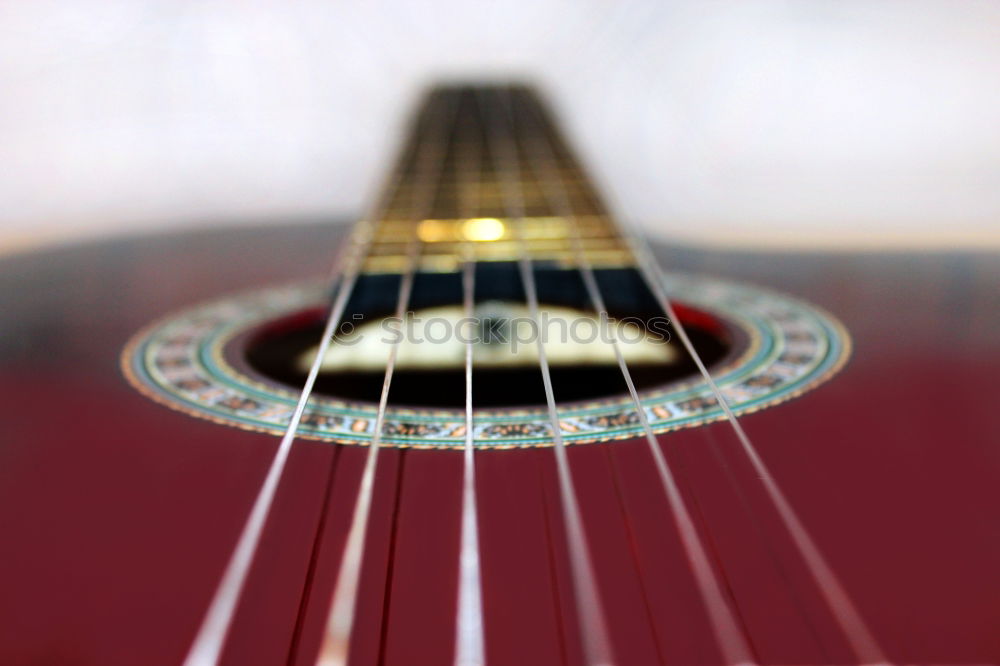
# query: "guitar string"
{"type": "Point", "coordinates": [469, 641]}
{"type": "Point", "coordinates": [335, 647]}
{"type": "Point", "coordinates": [770, 550]}
{"type": "Point", "coordinates": [845, 613]}
{"type": "Point", "coordinates": [593, 627]}
{"type": "Point", "coordinates": [728, 631]}
{"type": "Point", "coordinates": [795, 594]}
{"type": "Point", "coordinates": [853, 626]}
{"type": "Point", "coordinates": [208, 643]}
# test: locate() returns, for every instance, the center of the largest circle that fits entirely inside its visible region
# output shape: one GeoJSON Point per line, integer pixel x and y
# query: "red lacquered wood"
{"type": "Point", "coordinates": [419, 627]}
{"type": "Point", "coordinates": [517, 561]}
{"type": "Point", "coordinates": [118, 514]}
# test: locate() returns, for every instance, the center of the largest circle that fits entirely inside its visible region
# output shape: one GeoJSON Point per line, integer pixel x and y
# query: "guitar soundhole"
{"type": "Point", "coordinates": [429, 371]}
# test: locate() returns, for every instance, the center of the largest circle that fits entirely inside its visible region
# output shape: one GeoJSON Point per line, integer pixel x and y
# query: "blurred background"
{"type": "Point", "coordinates": [832, 124]}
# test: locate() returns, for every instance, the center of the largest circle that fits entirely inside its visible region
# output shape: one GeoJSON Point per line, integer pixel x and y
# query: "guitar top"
{"type": "Point", "coordinates": [488, 423]}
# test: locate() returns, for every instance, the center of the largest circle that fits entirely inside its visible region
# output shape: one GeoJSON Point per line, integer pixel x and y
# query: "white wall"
{"type": "Point", "coordinates": [834, 122]}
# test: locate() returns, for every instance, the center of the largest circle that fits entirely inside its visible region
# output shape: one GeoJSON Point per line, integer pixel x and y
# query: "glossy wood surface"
{"type": "Point", "coordinates": [117, 515]}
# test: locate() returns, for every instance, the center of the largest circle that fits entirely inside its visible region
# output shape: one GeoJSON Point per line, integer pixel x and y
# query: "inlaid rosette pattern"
{"type": "Point", "coordinates": [789, 347]}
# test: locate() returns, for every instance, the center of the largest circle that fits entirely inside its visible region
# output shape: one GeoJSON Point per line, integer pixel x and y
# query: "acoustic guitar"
{"type": "Point", "coordinates": [490, 424]}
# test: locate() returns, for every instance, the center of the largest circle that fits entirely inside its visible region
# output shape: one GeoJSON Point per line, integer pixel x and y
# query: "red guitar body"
{"type": "Point", "coordinates": [118, 515]}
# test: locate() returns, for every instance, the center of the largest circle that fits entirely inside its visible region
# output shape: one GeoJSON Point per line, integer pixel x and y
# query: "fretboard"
{"type": "Point", "coordinates": [486, 176]}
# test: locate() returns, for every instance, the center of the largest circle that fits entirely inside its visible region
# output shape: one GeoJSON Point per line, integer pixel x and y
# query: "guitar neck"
{"type": "Point", "coordinates": [486, 175]}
